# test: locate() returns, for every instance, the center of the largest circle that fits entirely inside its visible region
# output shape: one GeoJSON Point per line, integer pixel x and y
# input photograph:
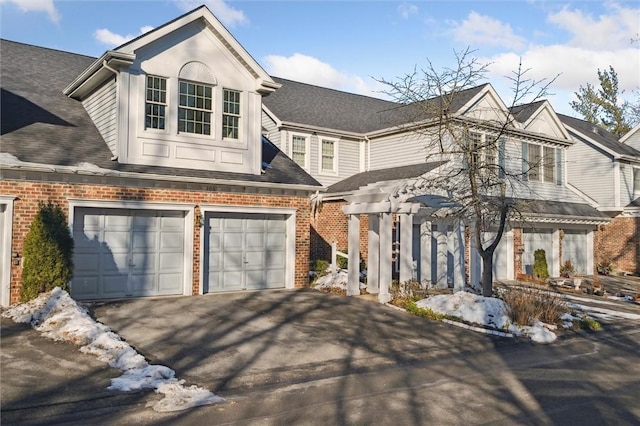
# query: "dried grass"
{"type": "Point", "coordinates": [528, 305]}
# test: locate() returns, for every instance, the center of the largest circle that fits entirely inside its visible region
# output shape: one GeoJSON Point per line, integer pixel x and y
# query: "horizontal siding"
{"type": "Point", "coordinates": [591, 172]}
{"type": "Point", "coordinates": [397, 150]}
{"type": "Point", "coordinates": [348, 160]}
{"type": "Point", "coordinates": [101, 107]}
{"type": "Point", "coordinates": [626, 184]}
{"type": "Point", "coordinates": [634, 140]}
{"type": "Point", "coordinates": [272, 132]}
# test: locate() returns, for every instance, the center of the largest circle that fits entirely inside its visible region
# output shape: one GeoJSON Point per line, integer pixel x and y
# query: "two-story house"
{"type": "Point", "coordinates": [374, 161]}
{"type": "Point", "coordinates": [155, 151]}
{"type": "Point", "coordinates": [607, 170]}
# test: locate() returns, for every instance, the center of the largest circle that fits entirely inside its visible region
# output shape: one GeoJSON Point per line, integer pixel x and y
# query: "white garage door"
{"type": "Point", "coordinates": [127, 253]}
{"type": "Point", "coordinates": [244, 251]}
{"type": "Point", "coordinates": [574, 248]}
{"type": "Point", "coordinates": [501, 256]}
{"type": "Point", "coordinates": [534, 240]}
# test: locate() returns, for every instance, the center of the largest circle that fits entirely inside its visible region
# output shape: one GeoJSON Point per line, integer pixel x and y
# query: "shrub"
{"type": "Point", "coordinates": [526, 306]}
{"type": "Point", "coordinates": [567, 269]}
{"type": "Point", "coordinates": [320, 267]}
{"type": "Point", "coordinates": [540, 268]}
{"type": "Point", "coordinates": [588, 323]}
{"type": "Point", "coordinates": [48, 253]}
{"type": "Point", "coordinates": [403, 293]}
{"type": "Point", "coordinates": [413, 309]}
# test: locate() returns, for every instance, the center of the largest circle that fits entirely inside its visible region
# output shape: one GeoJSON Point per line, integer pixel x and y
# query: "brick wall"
{"type": "Point", "coordinates": [619, 242]}
{"type": "Point", "coordinates": [28, 194]}
{"type": "Point", "coordinates": [331, 224]}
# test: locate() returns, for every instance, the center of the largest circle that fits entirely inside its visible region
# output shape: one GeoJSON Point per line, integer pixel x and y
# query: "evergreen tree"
{"type": "Point", "coordinates": [602, 107]}
{"type": "Point", "coordinates": [48, 253]}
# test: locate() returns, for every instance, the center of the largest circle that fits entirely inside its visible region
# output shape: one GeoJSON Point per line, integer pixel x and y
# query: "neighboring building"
{"type": "Point", "coordinates": [378, 161]}
{"type": "Point", "coordinates": [607, 170]}
{"type": "Point", "coordinates": [155, 151]}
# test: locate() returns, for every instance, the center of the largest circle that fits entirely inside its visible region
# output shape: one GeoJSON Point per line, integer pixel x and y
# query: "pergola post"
{"type": "Point", "coordinates": [440, 234]}
{"type": "Point", "coordinates": [458, 256]}
{"type": "Point", "coordinates": [353, 280]}
{"type": "Point", "coordinates": [373, 258]}
{"type": "Point", "coordinates": [425, 253]}
{"type": "Point", "coordinates": [406, 247]}
{"type": "Point", "coordinates": [386, 225]}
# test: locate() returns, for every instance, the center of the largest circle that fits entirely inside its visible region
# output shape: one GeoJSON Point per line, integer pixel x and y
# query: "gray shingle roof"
{"type": "Point", "coordinates": [365, 178]}
{"type": "Point", "coordinates": [523, 112]}
{"type": "Point", "coordinates": [311, 105]}
{"type": "Point", "coordinates": [600, 135]}
{"type": "Point", "coordinates": [555, 208]}
{"type": "Point", "coordinates": [40, 124]}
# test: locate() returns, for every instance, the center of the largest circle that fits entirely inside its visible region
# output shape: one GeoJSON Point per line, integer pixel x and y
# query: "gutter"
{"type": "Point", "coordinates": [109, 61]}
{"type": "Point", "coordinates": [34, 167]}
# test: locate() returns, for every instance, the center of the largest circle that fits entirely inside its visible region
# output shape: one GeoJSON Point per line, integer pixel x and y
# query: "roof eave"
{"type": "Point", "coordinates": [97, 73]}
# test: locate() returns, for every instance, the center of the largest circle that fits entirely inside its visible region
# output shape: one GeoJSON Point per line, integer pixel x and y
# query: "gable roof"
{"type": "Point", "coordinates": [382, 175]}
{"type": "Point", "coordinates": [296, 103]}
{"type": "Point", "coordinates": [605, 139]}
{"type": "Point", "coordinates": [43, 126]}
{"type": "Point", "coordinates": [125, 54]}
{"type": "Point", "coordinates": [523, 112]}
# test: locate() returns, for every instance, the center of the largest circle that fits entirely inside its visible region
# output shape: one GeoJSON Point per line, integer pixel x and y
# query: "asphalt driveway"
{"type": "Point", "coordinates": [304, 357]}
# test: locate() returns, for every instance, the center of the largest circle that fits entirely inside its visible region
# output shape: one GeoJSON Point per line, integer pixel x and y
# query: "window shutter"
{"type": "Point", "coordinates": [559, 163]}
{"type": "Point", "coordinates": [501, 158]}
{"type": "Point", "coordinates": [525, 162]}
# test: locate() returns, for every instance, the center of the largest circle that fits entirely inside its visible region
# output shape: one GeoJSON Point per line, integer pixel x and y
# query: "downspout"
{"type": "Point", "coordinates": [106, 65]}
{"type": "Point", "coordinates": [367, 163]}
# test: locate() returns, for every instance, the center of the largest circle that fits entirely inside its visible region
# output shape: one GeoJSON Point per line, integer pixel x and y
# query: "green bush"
{"type": "Point", "coordinates": [48, 253]}
{"type": "Point", "coordinates": [540, 268]}
{"type": "Point", "coordinates": [320, 267]}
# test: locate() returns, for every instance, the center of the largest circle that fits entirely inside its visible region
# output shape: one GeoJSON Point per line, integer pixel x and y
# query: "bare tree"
{"type": "Point", "coordinates": [475, 179]}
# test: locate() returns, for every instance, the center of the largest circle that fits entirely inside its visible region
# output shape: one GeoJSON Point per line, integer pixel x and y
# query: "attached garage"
{"type": "Point", "coordinates": [533, 240]}
{"type": "Point", "coordinates": [502, 256]}
{"type": "Point", "coordinates": [246, 251]}
{"type": "Point", "coordinates": [122, 252]}
{"type": "Point", "coordinates": [575, 247]}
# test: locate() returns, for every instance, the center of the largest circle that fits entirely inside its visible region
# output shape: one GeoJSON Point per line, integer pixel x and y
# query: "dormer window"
{"type": "Point", "coordinates": [156, 102]}
{"type": "Point", "coordinates": [195, 108]}
{"type": "Point", "coordinates": [539, 162]}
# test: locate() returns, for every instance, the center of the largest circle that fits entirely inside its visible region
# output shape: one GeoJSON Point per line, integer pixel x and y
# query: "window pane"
{"type": "Point", "coordinates": [155, 102]}
{"type": "Point", "coordinates": [549, 164]}
{"type": "Point", "coordinates": [327, 155]}
{"type": "Point", "coordinates": [636, 180]}
{"type": "Point", "coordinates": [194, 114]}
{"type": "Point", "coordinates": [535, 160]}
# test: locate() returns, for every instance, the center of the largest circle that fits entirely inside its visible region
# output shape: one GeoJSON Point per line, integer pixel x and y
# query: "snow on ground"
{"type": "Point", "coordinates": [57, 316]}
{"type": "Point", "coordinates": [486, 311]}
{"type": "Point", "coordinates": [336, 279]}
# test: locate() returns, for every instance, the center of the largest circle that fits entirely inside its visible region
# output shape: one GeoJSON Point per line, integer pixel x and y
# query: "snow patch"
{"type": "Point", "coordinates": [482, 310]}
{"type": "Point", "coordinates": [57, 316]}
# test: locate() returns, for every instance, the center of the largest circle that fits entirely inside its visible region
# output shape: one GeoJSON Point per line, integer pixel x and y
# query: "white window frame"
{"type": "Point", "coordinates": [636, 188]}
{"type": "Point", "coordinates": [541, 167]}
{"type": "Point", "coordinates": [165, 104]}
{"type": "Point", "coordinates": [231, 114]}
{"type": "Point", "coordinates": [322, 171]}
{"type": "Point", "coordinates": [482, 154]}
{"type": "Point", "coordinates": [307, 145]}
{"type": "Point", "coordinates": [203, 110]}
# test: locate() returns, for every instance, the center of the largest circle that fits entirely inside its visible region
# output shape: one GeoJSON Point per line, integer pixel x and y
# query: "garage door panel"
{"type": "Point", "coordinates": [123, 252]}
{"type": "Point", "coordinates": [171, 241]}
{"type": "Point", "coordinates": [254, 241]}
{"type": "Point", "coordinates": [252, 244]}
{"type": "Point", "coordinates": [274, 259]}
{"type": "Point", "coordinates": [574, 248]}
{"type": "Point", "coordinates": [535, 240]}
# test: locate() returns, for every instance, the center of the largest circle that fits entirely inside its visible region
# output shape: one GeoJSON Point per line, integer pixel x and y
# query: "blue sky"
{"type": "Point", "coordinates": [346, 44]}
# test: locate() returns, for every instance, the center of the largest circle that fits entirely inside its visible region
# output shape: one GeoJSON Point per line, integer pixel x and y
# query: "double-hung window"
{"type": "Point", "coordinates": [636, 181]}
{"type": "Point", "coordinates": [155, 102]}
{"type": "Point", "coordinates": [194, 108]}
{"type": "Point", "coordinates": [231, 114]}
{"type": "Point", "coordinates": [299, 150]}
{"type": "Point", "coordinates": [328, 156]}
{"type": "Point", "coordinates": [484, 153]}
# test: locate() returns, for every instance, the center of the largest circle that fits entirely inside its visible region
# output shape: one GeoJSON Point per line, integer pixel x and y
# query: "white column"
{"type": "Point", "coordinates": [554, 267]}
{"type": "Point", "coordinates": [353, 282]}
{"type": "Point", "coordinates": [441, 255]}
{"type": "Point", "coordinates": [590, 265]}
{"type": "Point", "coordinates": [508, 240]}
{"type": "Point", "coordinates": [475, 263]}
{"type": "Point", "coordinates": [386, 227]}
{"type": "Point", "coordinates": [458, 256]}
{"type": "Point", "coordinates": [373, 258]}
{"type": "Point", "coordinates": [425, 252]}
{"type": "Point", "coordinates": [406, 247]}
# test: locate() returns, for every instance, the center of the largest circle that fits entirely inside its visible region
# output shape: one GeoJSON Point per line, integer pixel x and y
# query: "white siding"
{"type": "Point", "coordinates": [101, 107]}
{"type": "Point", "coordinates": [348, 163]}
{"type": "Point", "coordinates": [271, 131]}
{"type": "Point", "coordinates": [591, 172]}
{"type": "Point", "coordinates": [626, 184]}
{"type": "Point", "coordinates": [634, 139]}
{"type": "Point", "coordinates": [397, 150]}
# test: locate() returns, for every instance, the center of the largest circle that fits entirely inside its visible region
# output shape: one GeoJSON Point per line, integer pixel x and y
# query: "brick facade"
{"type": "Point", "coordinates": [619, 242]}
{"type": "Point", "coordinates": [28, 193]}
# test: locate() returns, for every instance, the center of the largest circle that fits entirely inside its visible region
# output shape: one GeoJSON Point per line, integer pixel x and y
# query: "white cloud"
{"type": "Point", "coordinates": [46, 6]}
{"type": "Point", "coordinates": [482, 30]}
{"type": "Point", "coordinates": [606, 32]}
{"type": "Point", "coordinates": [308, 69]}
{"type": "Point", "coordinates": [407, 9]}
{"type": "Point", "coordinates": [112, 39]}
{"type": "Point", "coordinates": [225, 13]}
